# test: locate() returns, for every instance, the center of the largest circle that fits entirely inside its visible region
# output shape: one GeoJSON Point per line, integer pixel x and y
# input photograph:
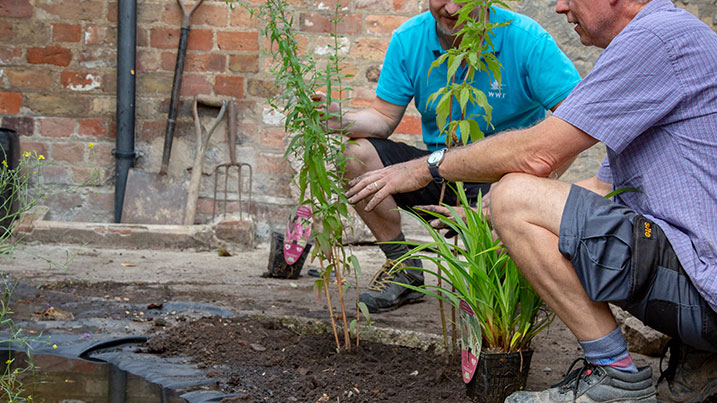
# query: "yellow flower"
{"type": "Point", "coordinates": [26, 154]}
{"type": "Point", "coordinates": [8, 361]}
{"type": "Point", "coordinates": [54, 346]}
{"type": "Point", "coordinates": [40, 157]}
{"type": "Point", "coordinates": [4, 163]}
{"type": "Point", "coordinates": [91, 145]}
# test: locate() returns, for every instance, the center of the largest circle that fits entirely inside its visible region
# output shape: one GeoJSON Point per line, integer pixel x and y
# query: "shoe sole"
{"type": "Point", "coordinates": [411, 298]}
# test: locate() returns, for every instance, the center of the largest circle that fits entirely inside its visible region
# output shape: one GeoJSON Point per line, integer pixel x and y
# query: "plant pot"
{"type": "Point", "coordinates": [498, 375]}
{"type": "Point", "coordinates": [10, 155]}
{"type": "Point", "coordinates": [278, 268]}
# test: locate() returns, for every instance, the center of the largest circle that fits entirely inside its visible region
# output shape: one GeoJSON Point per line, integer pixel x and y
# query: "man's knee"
{"type": "Point", "coordinates": [361, 157]}
{"type": "Point", "coordinates": [507, 194]}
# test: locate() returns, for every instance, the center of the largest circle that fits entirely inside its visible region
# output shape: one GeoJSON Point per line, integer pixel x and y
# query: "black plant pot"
{"type": "Point", "coordinates": [278, 268]}
{"type": "Point", "coordinates": [10, 154]}
{"type": "Point", "coordinates": [498, 375]}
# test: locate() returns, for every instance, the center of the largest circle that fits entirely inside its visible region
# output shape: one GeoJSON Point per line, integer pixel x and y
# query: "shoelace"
{"type": "Point", "coordinates": [382, 278]}
{"type": "Point", "coordinates": [574, 376]}
{"type": "Point", "coordinates": [673, 346]}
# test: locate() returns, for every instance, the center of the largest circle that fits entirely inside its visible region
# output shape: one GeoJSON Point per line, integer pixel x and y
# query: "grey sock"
{"type": "Point", "coordinates": [395, 251]}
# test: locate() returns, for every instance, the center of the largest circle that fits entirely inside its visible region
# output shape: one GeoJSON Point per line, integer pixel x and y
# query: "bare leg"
{"type": "Point", "coordinates": [384, 221]}
{"type": "Point", "coordinates": [526, 212]}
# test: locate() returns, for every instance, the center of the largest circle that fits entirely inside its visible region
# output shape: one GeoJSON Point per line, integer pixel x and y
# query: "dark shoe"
{"type": "Point", "coordinates": [595, 383]}
{"type": "Point", "coordinates": [383, 295]}
{"type": "Point", "coordinates": [691, 375]}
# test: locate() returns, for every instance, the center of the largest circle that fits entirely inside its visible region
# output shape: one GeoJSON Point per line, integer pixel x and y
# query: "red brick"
{"type": "Point", "coordinates": [92, 128]}
{"type": "Point", "coordinates": [211, 14]}
{"type": "Point", "coordinates": [193, 84]}
{"type": "Point", "coordinates": [383, 24]}
{"type": "Point", "coordinates": [10, 102]}
{"type": "Point", "coordinates": [320, 23]}
{"type": "Point", "coordinates": [6, 33]}
{"type": "Point", "coordinates": [56, 127]}
{"type": "Point", "coordinates": [87, 10]}
{"type": "Point", "coordinates": [200, 39]}
{"type": "Point", "coordinates": [406, 6]}
{"type": "Point", "coordinates": [23, 125]}
{"type": "Point", "coordinates": [273, 138]}
{"type": "Point", "coordinates": [149, 60]}
{"type": "Point", "coordinates": [69, 152]}
{"type": "Point", "coordinates": [362, 97]}
{"type": "Point", "coordinates": [30, 79]}
{"type": "Point", "coordinates": [240, 17]}
{"type": "Point", "coordinates": [34, 146]}
{"type": "Point", "coordinates": [142, 37]}
{"type": "Point", "coordinates": [244, 63]}
{"type": "Point", "coordinates": [66, 33]}
{"type": "Point", "coordinates": [272, 164]}
{"type": "Point", "coordinates": [80, 81]}
{"type": "Point", "coordinates": [201, 62]}
{"type": "Point", "coordinates": [238, 40]}
{"type": "Point", "coordinates": [409, 125]}
{"type": "Point", "coordinates": [232, 86]}
{"type": "Point", "coordinates": [151, 130]}
{"type": "Point", "coordinates": [168, 38]}
{"type": "Point", "coordinates": [56, 55]}
{"type": "Point", "coordinates": [16, 8]}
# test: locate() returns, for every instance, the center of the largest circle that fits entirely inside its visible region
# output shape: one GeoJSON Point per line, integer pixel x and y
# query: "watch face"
{"type": "Point", "coordinates": [435, 157]}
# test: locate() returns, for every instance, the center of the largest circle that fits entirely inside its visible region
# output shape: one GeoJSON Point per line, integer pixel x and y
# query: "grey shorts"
{"type": "Point", "coordinates": [624, 258]}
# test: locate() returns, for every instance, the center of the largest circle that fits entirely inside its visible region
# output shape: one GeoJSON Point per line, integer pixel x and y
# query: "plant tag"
{"type": "Point", "coordinates": [471, 340]}
{"type": "Point", "coordinates": [298, 230]}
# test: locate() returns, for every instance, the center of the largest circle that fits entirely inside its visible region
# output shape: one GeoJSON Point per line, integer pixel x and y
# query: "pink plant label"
{"type": "Point", "coordinates": [298, 230]}
{"type": "Point", "coordinates": [466, 308]}
{"type": "Point", "coordinates": [469, 363]}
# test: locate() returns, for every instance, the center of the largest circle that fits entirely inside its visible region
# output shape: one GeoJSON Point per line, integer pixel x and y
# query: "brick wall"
{"type": "Point", "coordinates": [58, 88]}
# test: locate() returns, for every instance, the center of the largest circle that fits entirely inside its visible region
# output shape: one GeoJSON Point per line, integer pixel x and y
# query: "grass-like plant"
{"type": "Point", "coordinates": [479, 272]}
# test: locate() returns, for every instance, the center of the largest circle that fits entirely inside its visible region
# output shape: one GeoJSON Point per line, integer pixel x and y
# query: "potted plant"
{"type": "Point", "coordinates": [500, 313]}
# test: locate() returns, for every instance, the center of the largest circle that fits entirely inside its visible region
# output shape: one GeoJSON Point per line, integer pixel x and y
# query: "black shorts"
{"type": "Point", "coordinates": [392, 152]}
{"type": "Point", "coordinates": [624, 258]}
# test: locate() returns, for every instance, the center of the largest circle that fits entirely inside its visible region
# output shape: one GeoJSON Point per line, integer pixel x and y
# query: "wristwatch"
{"type": "Point", "coordinates": [434, 160]}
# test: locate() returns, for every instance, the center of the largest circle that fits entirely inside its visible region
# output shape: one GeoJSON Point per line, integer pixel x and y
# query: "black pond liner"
{"type": "Point", "coordinates": [498, 375]}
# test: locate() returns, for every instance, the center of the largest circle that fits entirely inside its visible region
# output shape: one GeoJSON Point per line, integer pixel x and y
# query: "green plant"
{"type": "Point", "coordinates": [11, 386]}
{"type": "Point", "coordinates": [481, 274]}
{"type": "Point", "coordinates": [321, 179]}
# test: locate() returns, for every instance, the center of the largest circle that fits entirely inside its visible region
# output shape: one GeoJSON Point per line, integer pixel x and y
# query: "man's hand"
{"type": "Point", "coordinates": [381, 183]}
{"type": "Point", "coordinates": [329, 113]}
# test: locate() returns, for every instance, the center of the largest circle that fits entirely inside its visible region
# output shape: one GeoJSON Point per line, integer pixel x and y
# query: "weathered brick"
{"type": "Point", "coordinates": [99, 35]}
{"type": "Point", "coordinates": [232, 86]}
{"type": "Point", "coordinates": [362, 97]}
{"type": "Point", "coordinates": [92, 127]}
{"type": "Point", "coordinates": [96, 57]}
{"type": "Point", "coordinates": [168, 38]}
{"type": "Point", "coordinates": [410, 7]}
{"type": "Point", "coordinates": [240, 17]}
{"type": "Point", "coordinates": [273, 138]}
{"type": "Point", "coordinates": [68, 152]}
{"type": "Point", "coordinates": [320, 23]}
{"type": "Point", "coordinates": [23, 125]}
{"type": "Point", "coordinates": [57, 105]}
{"type": "Point", "coordinates": [151, 130]}
{"type": "Point", "coordinates": [201, 62]}
{"type": "Point", "coordinates": [383, 24]}
{"type": "Point", "coordinates": [149, 60]}
{"type": "Point", "coordinates": [66, 33]}
{"type": "Point", "coordinates": [374, 5]}
{"type": "Point", "coordinates": [56, 127]}
{"type": "Point", "coordinates": [244, 63]}
{"type": "Point", "coordinates": [211, 14]}
{"type": "Point", "coordinates": [142, 37]}
{"type": "Point", "coordinates": [370, 49]}
{"type": "Point", "coordinates": [105, 105]}
{"type": "Point", "coordinates": [10, 54]}
{"type": "Point", "coordinates": [101, 201]}
{"type": "Point", "coordinates": [409, 125]}
{"type": "Point", "coordinates": [30, 79]}
{"type": "Point", "coordinates": [38, 147]}
{"type": "Point", "coordinates": [193, 84]}
{"type": "Point", "coordinates": [36, 34]}
{"type": "Point", "coordinates": [10, 102]}
{"type": "Point", "coordinates": [154, 84]}
{"type": "Point", "coordinates": [6, 33]}
{"type": "Point", "coordinates": [88, 10]}
{"type": "Point", "coordinates": [80, 81]}
{"type": "Point", "coordinates": [16, 8]}
{"type": "Point", "coordinates": [260, 88]}
{"type": "Point", "coordinates": [373, 73]}
{"type": "Point", "coordinates": [238, 40]}
{"type": "Point", "coordinates": [56, 55]}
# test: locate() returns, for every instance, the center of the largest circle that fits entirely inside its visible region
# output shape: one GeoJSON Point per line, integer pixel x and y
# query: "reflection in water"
{"type": "Point", "coordinates": [60, 379]}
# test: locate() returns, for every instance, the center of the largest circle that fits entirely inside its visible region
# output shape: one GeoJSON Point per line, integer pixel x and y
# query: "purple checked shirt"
{"type": "Point", "coordinates": [652, 100]}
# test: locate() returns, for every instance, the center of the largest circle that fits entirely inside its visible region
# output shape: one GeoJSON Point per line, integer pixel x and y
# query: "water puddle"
{"type": "Point", "coordinates": [62, 379]}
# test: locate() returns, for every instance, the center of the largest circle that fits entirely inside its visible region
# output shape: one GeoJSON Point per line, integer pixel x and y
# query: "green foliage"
{"type": "Point", "coordinates": [11, 385]}
{"type": "Point", "coordinates": [480, 272]}
{"type": "Point", "coordinates": [475, 51]}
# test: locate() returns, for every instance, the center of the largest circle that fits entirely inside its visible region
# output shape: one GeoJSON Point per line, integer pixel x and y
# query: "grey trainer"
{"type": "Point", "coordinates": [595, 383]}
{"type": "Point", "coordinates": [690, 377]}
{"type": "Point", "coordinates": [383, 295]}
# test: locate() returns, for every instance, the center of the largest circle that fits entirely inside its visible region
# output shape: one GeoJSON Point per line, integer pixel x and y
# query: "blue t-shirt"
{"type": "Point", "coordinates": [536, 74]}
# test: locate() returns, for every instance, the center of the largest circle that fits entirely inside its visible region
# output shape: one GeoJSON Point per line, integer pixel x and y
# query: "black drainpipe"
{"type": "Point", "coordinates": [126, 65]}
